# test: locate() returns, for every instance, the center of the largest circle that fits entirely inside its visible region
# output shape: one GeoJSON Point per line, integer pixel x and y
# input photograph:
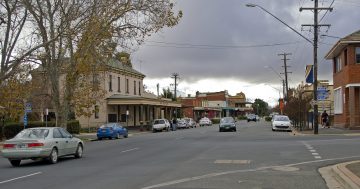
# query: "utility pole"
{"type": "Point", "coordinates": [316, 27]}
{"type": "Point", "coordinates": [286, 73]}
{"type": "Point", "coordinates": [158, 90]}
{"type": "Point", "coordinates": [175, 76]}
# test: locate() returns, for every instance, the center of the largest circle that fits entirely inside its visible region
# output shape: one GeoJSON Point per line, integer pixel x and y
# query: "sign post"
{"type": "Point", "coordinates": [46, 115]}
{"type": "Point", "coordinates": [28, 109]}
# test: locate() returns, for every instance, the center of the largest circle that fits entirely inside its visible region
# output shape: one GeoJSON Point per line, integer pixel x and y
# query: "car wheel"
{"type": "Point", "coordinates": [117, 135]}
{"type": "Point", "coordinates": [273, 129]}
{"type": "Point", "coordinates": [15, 163]}
{"type": "Point", "coordinates": [234, 130]}
{"type": "Point", "coordinates": [53, 158]}
{"type": "Point", "coordinates": [79, 151]}
{"type": "Point", "coordinates": [126, 135]}
{"type": "Point", "coordinates": [99, 138]}
{"type": "Point", "coordinates": [220, 130]}
{"type": "Point", "coordinates": [154, 131]}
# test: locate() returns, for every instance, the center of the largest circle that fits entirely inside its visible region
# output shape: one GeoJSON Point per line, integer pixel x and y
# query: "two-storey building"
{"type": "Point", "coordinates": [345, 56]}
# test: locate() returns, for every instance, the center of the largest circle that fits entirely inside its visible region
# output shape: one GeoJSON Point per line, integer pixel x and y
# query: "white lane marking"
{"type": "Point", "coordinates": [317, 157]}
{"type": "Point", "coordinates": [239, 171]}
{"type": "Point", "coordinates": [17, 178]}
{"type": "Point", "coordinates": [129, 150]}
{"type": "Point", "coordinates": [225, 161]}
{"type": "Point", "coordinates": [312, 150]}
{"type": "Point", "coordinates": [179, 138]}
{"type": "Point", "coordinates": [315, 154]}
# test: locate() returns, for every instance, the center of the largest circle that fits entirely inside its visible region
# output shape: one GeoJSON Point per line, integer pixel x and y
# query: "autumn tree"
{"type": "Point", "coordinates": [85, 33]}
{"type": "Point", "coordinates": [14, 90]}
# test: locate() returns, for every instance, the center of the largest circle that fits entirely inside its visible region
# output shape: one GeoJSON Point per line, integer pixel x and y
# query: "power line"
{"type": "Point", "coordinates": [206, 46]}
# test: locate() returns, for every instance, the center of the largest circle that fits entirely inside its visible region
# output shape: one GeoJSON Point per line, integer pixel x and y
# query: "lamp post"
{"type": "Point", "coordinates": [315, 46]}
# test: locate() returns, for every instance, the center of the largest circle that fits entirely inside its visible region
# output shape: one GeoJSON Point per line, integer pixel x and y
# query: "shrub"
{"type": "Point", "coordinates": [215, 120]}
{"type": "Point", "coordinates": [73, 127]}
{"type": "Point", "coordinates": [268, 118]}
{"type": "Point", "coordinates": [242, 117]}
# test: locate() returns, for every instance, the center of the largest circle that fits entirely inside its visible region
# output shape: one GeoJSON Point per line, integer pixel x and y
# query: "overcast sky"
{"type": "Point", "coordinates": [224, 45]}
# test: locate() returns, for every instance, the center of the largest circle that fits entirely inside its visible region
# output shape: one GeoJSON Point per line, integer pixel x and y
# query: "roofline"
{"type": "Point", "coordinates": [331, 55]}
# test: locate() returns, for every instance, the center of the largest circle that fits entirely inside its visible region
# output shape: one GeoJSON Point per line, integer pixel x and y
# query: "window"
{"type": "Point", "coordinates": [357, 52]}
{"type": "Point", "coordinates": [127, 86]}
{"type": "Point", "coordinates": [110, 83]}
{"type": "Point", "coordinates": [96, 111]}
{"type": "Point", "coordinates": [119, 84]}
{"type": "Point", "coordinates": [338, 101]}
{"type": "Point", "coordinates": [337, 62]}
{"type": "Point", "coordinates": [57, 134]}
{"type": "Point", "coordinates": [134, 87]}
{"type": "Point", "coordinates": [345, 57]}
{"type": "Point", "coordinates": [139, 88]}
{"type": "Point", "coordinates": [64, 133]}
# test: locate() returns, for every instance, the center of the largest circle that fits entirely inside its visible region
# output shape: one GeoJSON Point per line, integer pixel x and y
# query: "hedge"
{"type": "Point", "coordinates": [11, 129]}
{"type": "Point", "coordinates": [242, 117]}
{"type": "Point", "coordinates": [215, 120]}
{"type": "Point", "coordinates": [268, 118]}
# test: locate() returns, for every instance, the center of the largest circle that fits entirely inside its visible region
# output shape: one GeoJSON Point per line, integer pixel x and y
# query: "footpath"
{"type": "Point", "coordinates": [340, 176]}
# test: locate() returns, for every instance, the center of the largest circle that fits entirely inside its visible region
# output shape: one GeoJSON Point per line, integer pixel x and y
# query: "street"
{"type": "Point", "coordinates": [252, 157]}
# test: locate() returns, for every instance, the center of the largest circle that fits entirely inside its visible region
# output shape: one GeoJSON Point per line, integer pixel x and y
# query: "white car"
{"type": "Point", "coordinates": [160, 125]}
{"type": "Point", "coordinates": [205, 122]}
{"type": "Point", "coordinates": [281, 123]}
{"type": "Point", "coordinates": [191, 123]}
{"type": "Point", "coordinates": [181, 124]}
{"type": "Point", "coordinates": [42, 143]}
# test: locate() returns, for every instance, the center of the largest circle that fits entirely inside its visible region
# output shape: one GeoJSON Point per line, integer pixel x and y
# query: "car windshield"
{"type": "Point", "coordinates": [227, 120]}
{"type": "Point", "coordinates": [106, 126]}
{"type": "Point", "coordinates": [160, 121]}
{"type": "Point", "coordinates": [281, 118]}
{"type": "Point", "coordinates": [33, 134]}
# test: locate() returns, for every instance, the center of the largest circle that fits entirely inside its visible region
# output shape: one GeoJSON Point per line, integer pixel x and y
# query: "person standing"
{"type": "Point", "coordinates": [325, 119]}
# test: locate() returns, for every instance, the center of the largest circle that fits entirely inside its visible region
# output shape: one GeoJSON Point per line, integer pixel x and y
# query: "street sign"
{"type": "Point", "coordinates": [28, 107]}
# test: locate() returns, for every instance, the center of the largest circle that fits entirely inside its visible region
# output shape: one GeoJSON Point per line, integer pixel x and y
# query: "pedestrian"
{"type": "Point", "coordinates": [174, 124]}
{"type": "Point", "coordinates": [325, 119]}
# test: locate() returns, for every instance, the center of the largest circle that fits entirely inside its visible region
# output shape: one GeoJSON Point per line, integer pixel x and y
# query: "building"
{"type": "Point", "coordinates": [125, 100]}
{"type": "Point", "coordinates": [215, 105]}
{"type": "Point", "coordinates": [345, 56]}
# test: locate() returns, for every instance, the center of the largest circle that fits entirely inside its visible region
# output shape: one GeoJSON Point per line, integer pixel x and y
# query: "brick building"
{"type": "Point", "coordinates": [215, 105]}
{"type": "Point", "coordinates": [345, 56]}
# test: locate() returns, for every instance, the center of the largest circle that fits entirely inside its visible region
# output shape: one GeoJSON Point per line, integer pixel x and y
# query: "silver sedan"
{"type": "Point", "coordinates": [44, 142]}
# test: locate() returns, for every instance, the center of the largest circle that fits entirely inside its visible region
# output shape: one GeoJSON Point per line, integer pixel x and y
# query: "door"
{"type": "Point", "coordinates": [70, 142]}
{"type": "Point", "coordinates": [59, 142]}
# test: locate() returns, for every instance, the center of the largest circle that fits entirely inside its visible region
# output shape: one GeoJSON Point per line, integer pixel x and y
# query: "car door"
{"type": "Point", "coordinates": [70, 142]}
{"type": "Point", "coordinates": [59, 141]}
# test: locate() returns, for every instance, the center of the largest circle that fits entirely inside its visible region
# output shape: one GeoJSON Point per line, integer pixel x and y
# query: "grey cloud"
{"type": "Point", "coordinates": [230, 23]}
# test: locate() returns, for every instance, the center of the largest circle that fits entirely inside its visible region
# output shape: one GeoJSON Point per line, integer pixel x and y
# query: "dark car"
{"type": "Point", "coordinates": [111, 130]}
{"type": "Point", "coordinates": [251, 117]}
{"type": "Point", "coordinates": [227, 124]}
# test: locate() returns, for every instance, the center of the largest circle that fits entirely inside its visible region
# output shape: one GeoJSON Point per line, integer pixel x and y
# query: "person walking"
{"type": "Point", "coordinates": [325, 119]}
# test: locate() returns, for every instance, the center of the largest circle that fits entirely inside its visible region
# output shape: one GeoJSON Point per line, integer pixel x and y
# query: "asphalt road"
{"type": "Point", "coordinates": [253, 157]}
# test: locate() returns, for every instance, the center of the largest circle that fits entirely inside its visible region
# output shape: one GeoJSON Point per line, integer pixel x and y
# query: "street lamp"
{"type": "Point", "coordinates": [315, 46]}
{"type": "Point", "coordinates": [331, 36]}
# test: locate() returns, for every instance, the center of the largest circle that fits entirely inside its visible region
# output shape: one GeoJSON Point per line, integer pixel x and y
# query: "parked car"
{"type": "Point", "coordinates": [42, 143]}
{"type": "Point", "coordinates": [191, 123]}
{"type": "Point", "coordinates": [205, 122]}
{"type": "Point", "coordinates": [227, 124]}
{"type": "Point", "coordinates": [182, 124]}
{"type": "Point", "coordinates": [281, 122]}
{"type": "Point", "coordinates": [160, 125]}
{"type": "Point", "coordinates": [251, 117]}
{"type": "Point", "coordinates": [111, 130]}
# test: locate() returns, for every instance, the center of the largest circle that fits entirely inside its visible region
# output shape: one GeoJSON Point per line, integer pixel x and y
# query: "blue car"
{"type": "Point", "coordinates": [111, 130]}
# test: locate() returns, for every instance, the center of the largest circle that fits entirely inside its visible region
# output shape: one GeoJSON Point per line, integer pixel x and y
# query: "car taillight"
{"type": "Point", "coordinates": [35, 145]}
{"type": "Point", "coordinates": [7, 146]}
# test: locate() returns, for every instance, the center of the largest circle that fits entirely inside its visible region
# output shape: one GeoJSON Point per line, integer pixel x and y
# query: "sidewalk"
{"type": "Point", "coordinates": [329, 131]}
{"type": "Point", "coordinates": [342, 176]}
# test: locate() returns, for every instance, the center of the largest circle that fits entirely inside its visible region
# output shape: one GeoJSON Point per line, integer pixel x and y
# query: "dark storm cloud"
{"type": "Point", "coordinates": [211, 40]}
